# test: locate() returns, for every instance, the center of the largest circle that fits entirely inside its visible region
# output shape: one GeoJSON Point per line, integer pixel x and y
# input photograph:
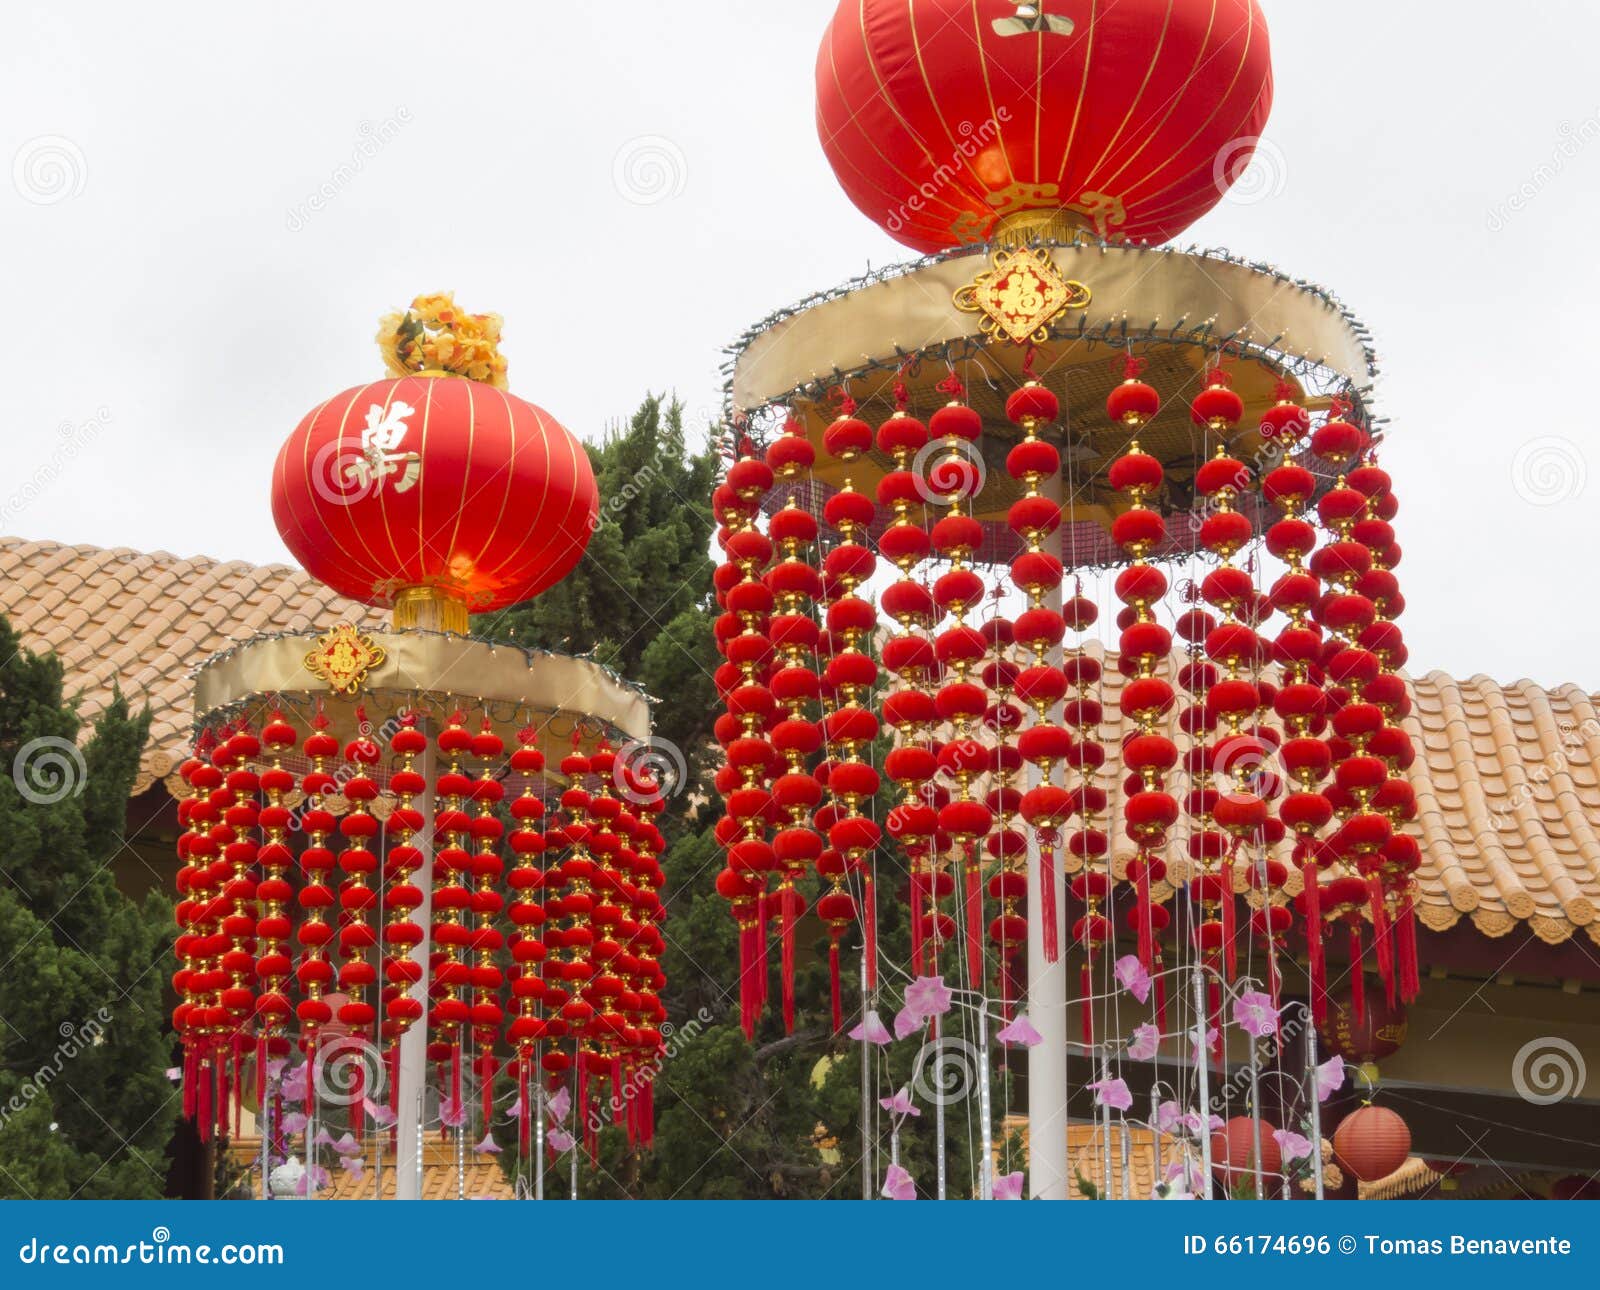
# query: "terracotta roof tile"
{"type": "Point", "coordinates": [143, 620]}
{"type": "Point", "coordinates": [1506, 778]}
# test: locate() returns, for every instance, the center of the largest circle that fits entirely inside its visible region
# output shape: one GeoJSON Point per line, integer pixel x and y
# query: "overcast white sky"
{"type": "Point", "coordinates": [177, 306]}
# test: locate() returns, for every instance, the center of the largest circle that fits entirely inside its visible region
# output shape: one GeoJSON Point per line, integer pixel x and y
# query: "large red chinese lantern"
{"type": "Point", "coordinates": [942, 118]}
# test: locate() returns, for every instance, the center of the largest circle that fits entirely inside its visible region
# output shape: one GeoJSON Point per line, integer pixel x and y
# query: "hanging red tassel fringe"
{"type": "Point", "coordinates": [788, 900]}
{"type": "Point", "coordinates": [1315, 953]}
{"type": "Point", "coordinates": [1143, 919]}
{"type": "Point", "coordinates": [1230, 949]}
{"type": "Point", "coordinates": [1406, 947]}
{"type": "Point", "coordinates": [974, 921]}
{"type": "Point", "coordinates": [833, 985]}
{"type": "Point", "coordinates": [919, 929]}
{"type": "Point", "coordinates": [1048, 912]}
{"type": "Point", "coordinates": [1382, 944]}
{"type": "Point", "coordinates": [869, 929]}
{"type": "Point", "coordinates": [1358, 985]}
{"type": "Point", "coordinates": [1086, 993]}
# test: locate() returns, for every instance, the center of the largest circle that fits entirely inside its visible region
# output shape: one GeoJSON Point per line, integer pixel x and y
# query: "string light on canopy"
{"type": "Point", "coordinates": [388, 923]}
{"type": "Point", "coordinates": [1170, 448]}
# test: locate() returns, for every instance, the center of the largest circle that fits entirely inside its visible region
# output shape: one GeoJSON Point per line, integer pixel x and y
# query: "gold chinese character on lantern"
{"type": "Point", "coordinates": [379, 460]}
{"type": "Point", "coordinates": [1020, 294]}
{"type": "Point", "coordinates": [343, 657]}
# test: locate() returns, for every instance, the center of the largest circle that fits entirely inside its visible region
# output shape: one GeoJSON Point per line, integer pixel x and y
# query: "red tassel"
{"type": "Point", "coordinates": [203, 1107]}
{"type": "Point", "coordinates": [1230, 949]}
{"type": "Point", "coordinates": [1314, 950]}
{"type": "Point", "coordinates": [918, 925]}
{"type": "Point", "coordinates": [1406, 930]}
{"type": "Point", "coordinates": [525, 1120]}
{"type": "Point", "coordinates": [1086, 1008]}
{"type": "Point", "coordinates": [1382, 944]}
{"type": "Point", "coordinates": [261, 1071]}
{"type": "Point", "coordinates": [833, 985]}
{"type": "Point", "coordinates": [1358, 985]}
{"type": "Point", "coordinates": [869, 929]}
{"type": "Point", "coordinates": [224, 1084]}
{"type": "Point", "coordinates": [763, 962]}
{"type": "Point", "coordinates": [1145, 925]}
{"type": "Point", "coordinates": [1047, 901]}
{"type": "Point", "coordinates": [974, 921]}
{"type": "Point", "coordinates": [190, 1082]}
{"type": "Point", "coordinates": [747, 991]}
{"type": "Point", "coordinates": [788, 900]}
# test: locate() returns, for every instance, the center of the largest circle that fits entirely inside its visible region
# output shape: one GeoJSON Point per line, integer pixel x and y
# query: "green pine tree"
{"type": "Point", "coordinates": [85, 1108]}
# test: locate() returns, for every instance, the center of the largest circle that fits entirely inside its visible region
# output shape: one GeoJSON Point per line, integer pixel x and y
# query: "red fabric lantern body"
{"type": "Point", "coordinates": [434, 482]}
{"type": "Point", "coordinates": [1371, 1143]}
{"type": "Point", "coordinates": [942, 116]}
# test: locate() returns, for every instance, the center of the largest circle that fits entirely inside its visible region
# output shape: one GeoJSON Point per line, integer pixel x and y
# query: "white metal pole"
{"type": "Point", "coordinates": [866, 1087]}
{"type": "Point", "coordinates": [1315, 1101]}
{"type": "Point", "coordinates": [413, 1065]}
{"type": "Point", "coordinates": [1045, 1000]}
{"type": "Point", "coordinates": [1203, 1073]}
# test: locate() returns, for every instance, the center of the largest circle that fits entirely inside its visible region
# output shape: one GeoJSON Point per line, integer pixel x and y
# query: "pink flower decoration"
{"type": "Point", "coordinates": [1254, 1014]}
{"type": "Point", "coordinates": [897, 1185]}
{"type": "Point", "coordinates": [908, 1021]}
{"type": "Point", "coordinates": [315, 1177]}
{"type": "Point", "coordinates": [929, 996]}
{"type": "Point", "coordinates": [871, 1030]}
{"type": "Point", "coordinates": [294, 1123]}
{"type": "Point", "coordinates": [1008, 1186]}
{"type": "Point", "coordinates": [1113, 1093]}
{"type": "Point", "coordinates": [347, 1145]}
{"type": "Point", "coordinates": [323, 1138]}
{"type": "Point", "coordinates": [1201, 1045]}
{"type": "Point", "coordinates": [175, 1074]}
{"type": "Point", "coordinates": [1168, 1117]}
{"type": "Point", "coordinates": [452, 1114]}
{"type": "Point", "coordinates": [1021, 1031]}
{"type": "Point", "coordinates": [1330, 1077]}
{"type": "Point", "coordinates": [1132, 977]}
{"type": "Point", "coordinates": [378, 1113]}
{"type": "Point", "coordinates": [560, 1140]}
{"type": "Point", "coordinates": [488, 1147]}
{"type": "Point", "coordinates": [899, 1104]}
{"type": "Point", "coordinates": [1291, 1144]}
{"type": "Point", "coordinates": [355, 1166]}
{"type": "Point", "coordinates": [294, 1084]}
{"type": "Point", "coordinates": [559, 1104]}
{"type": "Point", "coordinates": [1146, 1040]}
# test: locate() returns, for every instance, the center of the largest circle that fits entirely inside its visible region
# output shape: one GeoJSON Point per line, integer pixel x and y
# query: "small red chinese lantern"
{"type": "Point", "coordinates": [1371, 1143]}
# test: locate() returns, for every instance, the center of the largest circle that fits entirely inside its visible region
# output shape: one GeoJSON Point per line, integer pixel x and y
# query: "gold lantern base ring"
{"type": "Point", "coordinates": [429, 609]}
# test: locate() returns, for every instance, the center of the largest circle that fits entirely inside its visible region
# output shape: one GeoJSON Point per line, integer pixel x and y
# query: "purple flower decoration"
{"type": "Point", "coordinates": [897, 1184]}
{"type": "Point", "coordinates": [488, 1147]}
{"type": "Point", "coordinates": [899, 1104]}
{"type": "Point", "coordinates": [355, 1166]}
{"type": "Point", "coordinates": [560, 1140]}
{"type": "Point", "coordinates": [1200, 1044]}
{"type": "Point", "coordinates": [347, 1145]}
{"type": "Point", "coordinates": [294, 1084]}
{"type": "Point", "coordinates": [452, 1113]}
{"type": "Point", "coordinates": [1291, 1144]}
{"type": "Point", "coordinates": [1146, 1040]}
{"type": "Point", "coordinates": [1132, 977]}
{"type": "Point", "coordinates": [559, 1104]}
{"type": "Point", "coordinates": [378, 1113]}
{"type": "Point", "coordinates": [908, 1021]}
{"type": "Point", "coordinates": [1113, 1093]}
{"type": "Point", "coordinates": [1169, 1117]}
{"type": "Point", "coordinates": [1020, 1031]}
{"type": "Point", "coordinates": [1254, 1014]}
{"type": "Point", "coordinates": [514, 1111]}
{"type": "Point", "coordinates": [871, 1030]}
{"type": "Point", "coordinates": [1008, 1186]}
{"type": "Point", "coordinates": [315, 1177]}
{"type": "Point", "coordinates": [929, 996]}
{"type": "Point", "coordinates": [294, 1122]}
{"type": "Point", "coordinates": [1330, 1077]}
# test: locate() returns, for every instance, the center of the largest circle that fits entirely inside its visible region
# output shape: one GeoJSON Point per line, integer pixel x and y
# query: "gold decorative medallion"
{"type": "Point", "coordinates": [1020, 294]}
{"type": "Point", "coordinates": [343, 657]}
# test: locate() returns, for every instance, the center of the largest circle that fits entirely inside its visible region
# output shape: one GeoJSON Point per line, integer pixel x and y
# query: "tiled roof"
{"type": "Point", "coordinates": [479, 1177]}
{"type": "Point", "coordinates": [141, 621]}
{"type": "Point", "coordinates": [1507, 780]}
